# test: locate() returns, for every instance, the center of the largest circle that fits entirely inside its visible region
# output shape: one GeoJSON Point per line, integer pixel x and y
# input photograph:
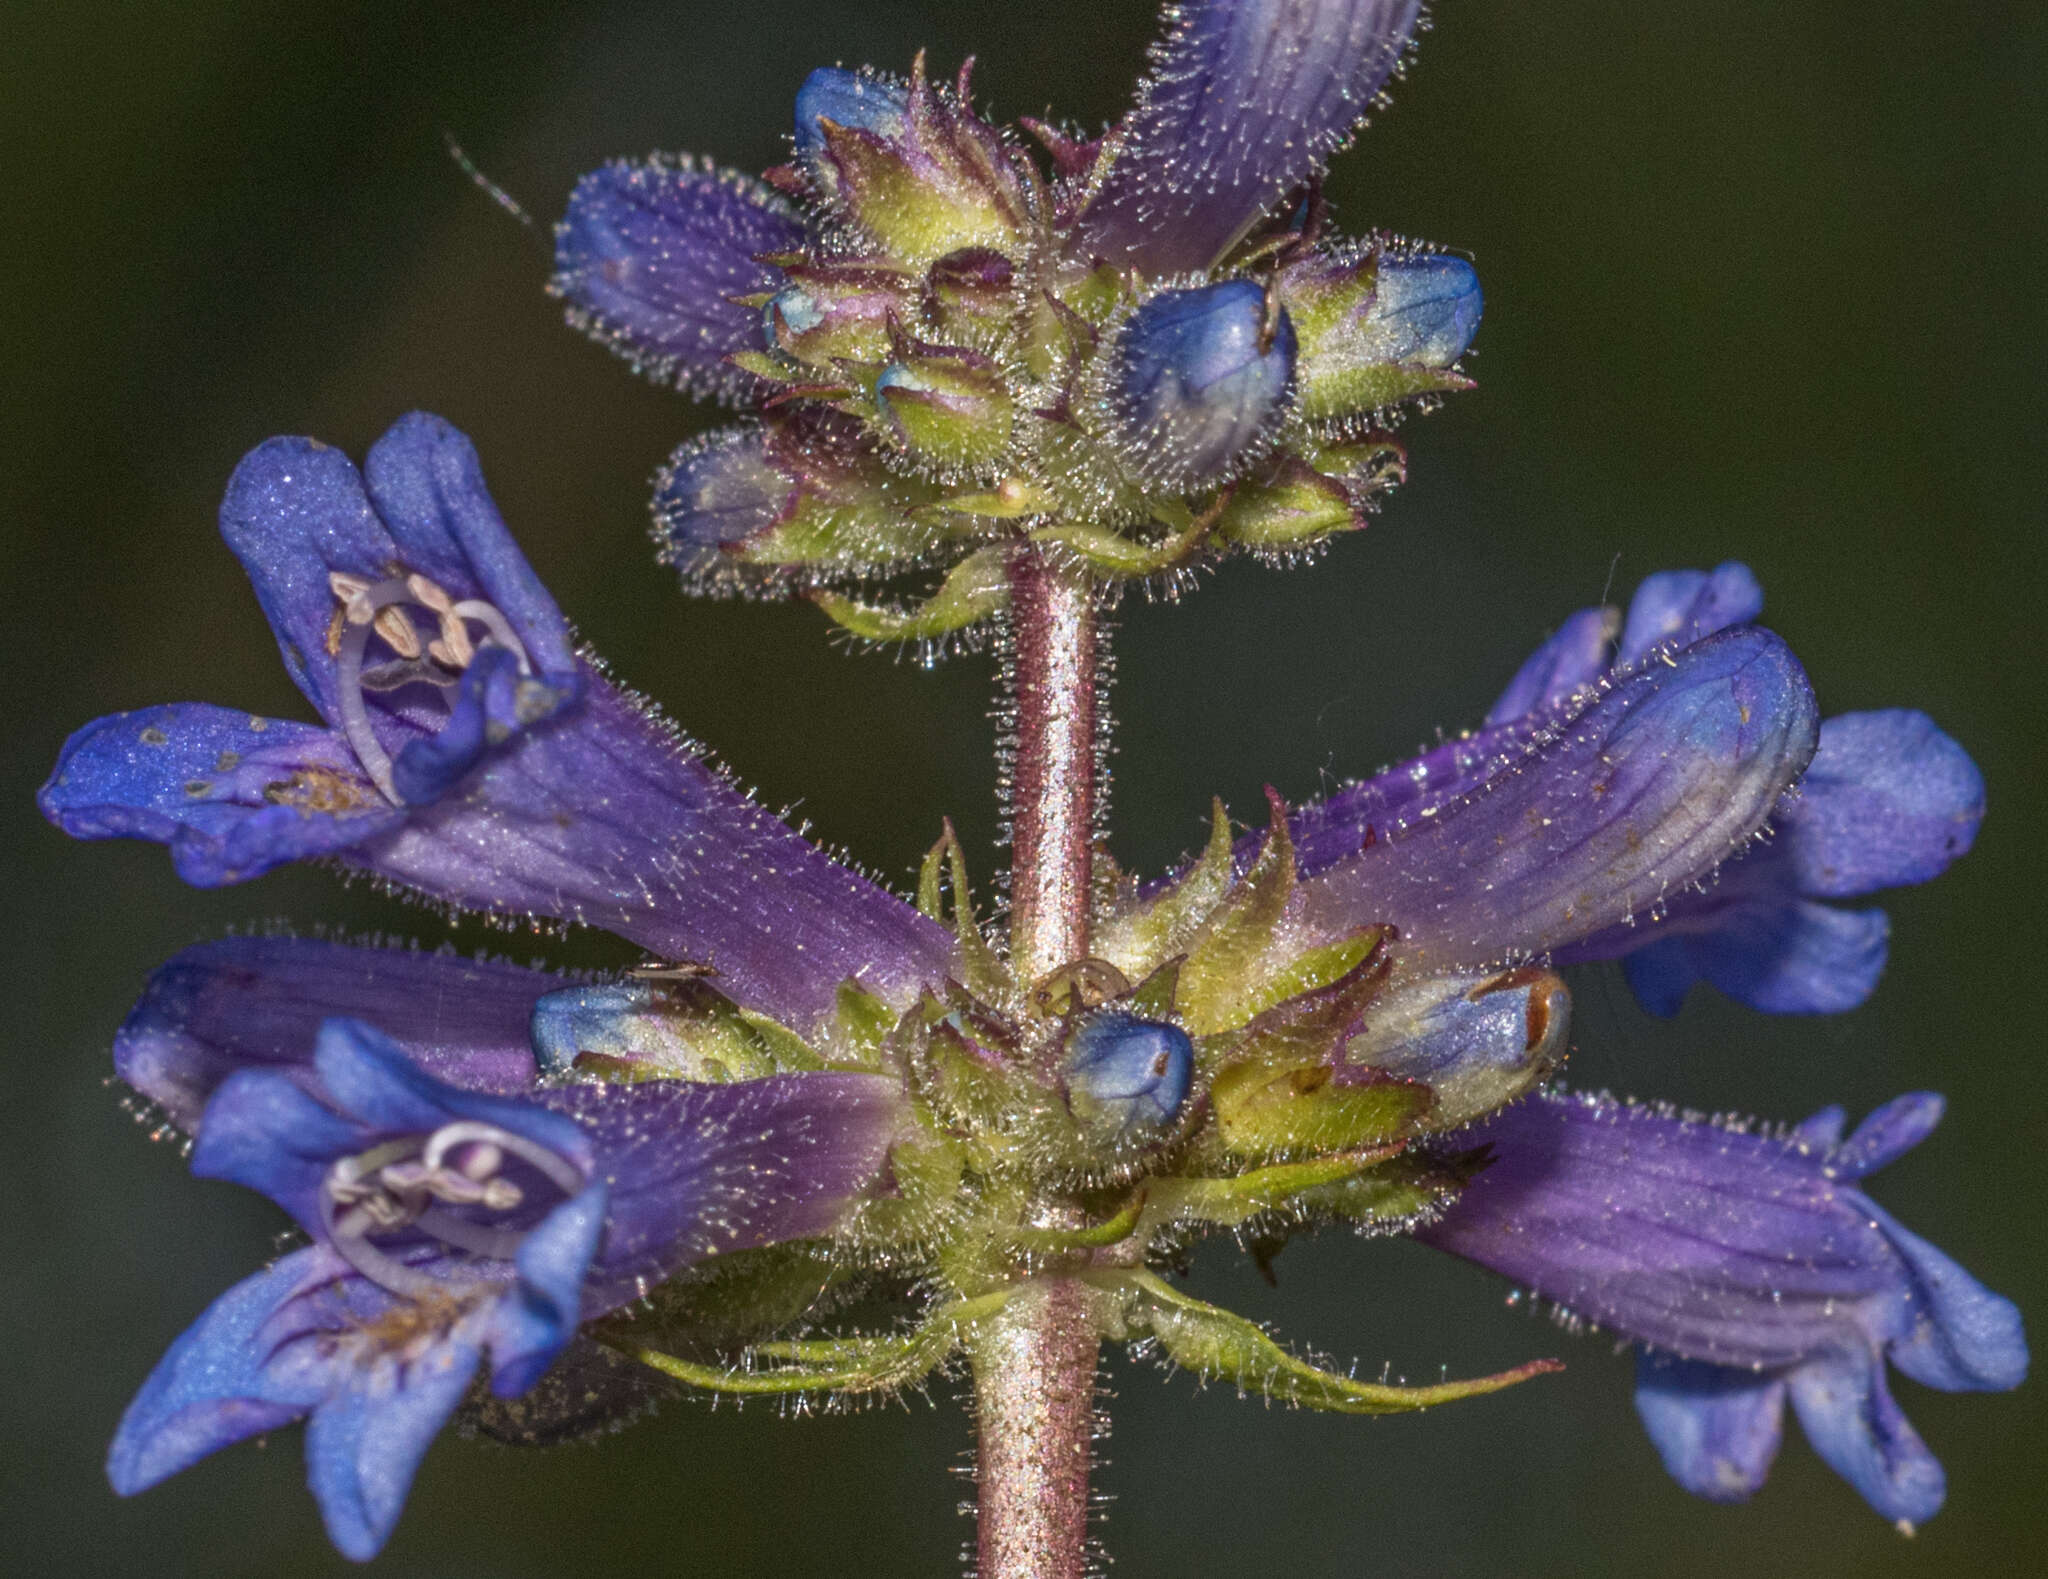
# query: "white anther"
{"type": "Point", "coordinates": [396, 627]}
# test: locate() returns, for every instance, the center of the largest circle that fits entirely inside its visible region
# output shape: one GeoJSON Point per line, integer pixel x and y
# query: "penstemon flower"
{"type": "Point", "coordinates": [541, 1201]}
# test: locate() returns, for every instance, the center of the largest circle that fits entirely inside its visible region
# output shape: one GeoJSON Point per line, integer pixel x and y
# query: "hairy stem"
{"type": "Point", "coordinates": [1034, 1403]}
{"type": "Point", "coordinates": [1034, 1365]}
{"type": "Point", "coordinates": [1055, 683]}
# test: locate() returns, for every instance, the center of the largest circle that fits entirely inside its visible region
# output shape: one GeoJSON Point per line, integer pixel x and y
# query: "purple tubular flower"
{"type": "Point", "coordinates": [451, 1224]}
{"type": "Point", "coordinates": [535, 787]}
{"type": "Point", "coordinates": [1888, 799]}
{"type": "Point", "coordinates": [244, 1003]}
{"type": "Point", "coordinates": [653, 257]}
{"type": "Point", "coordinates": [1752, 1269]}
{"type": "Point", "coordinates": [1642, 791]}
{"type": "Point", "coordinates": [1200, 379]}
{"type": "Point", "coordinates": [1245, 102]}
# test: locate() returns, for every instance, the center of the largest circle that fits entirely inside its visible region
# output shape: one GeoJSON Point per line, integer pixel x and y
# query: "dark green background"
{"type": "Point", "coordinates": [1762, 281]}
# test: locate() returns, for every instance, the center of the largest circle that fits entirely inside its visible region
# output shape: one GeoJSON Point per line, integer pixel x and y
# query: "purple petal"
{"type": "Point", "coordinates": [232, 794]}
{"type": "Point", "coordinates": [1717, 1430]}
{"type": "Point", "coordinates": [1645, 790]}
{"type": "Point", "coordinates": [1746, 1251]}
{"type": "Point", "coordinates": [259, 1002]}
{"type": "Point", "coordinates": [1685, 606]}
{"type": "Point", "coordinates": [697, 1170]}
{"type": "Point", "coordinates": [650, 256]}
{"type": "Point", "coordinates": [607, 818]}
{"type": "Point", "coordinates": [1706, 1242]}
{"type": "Point", "coordinates": [1889, 800]}
{"type": "Point", "coordinates": [1568, 663]}
{"type": "Point", "coordinates": [1246, 100]}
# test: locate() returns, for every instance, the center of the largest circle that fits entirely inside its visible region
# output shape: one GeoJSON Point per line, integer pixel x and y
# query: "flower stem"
{"type": "Point", "coordinates": [1034, 1364]}
{"type": "Point", "coordinates": [1054, 682]}
{"type": "Point", "coordinates": [1034, 1403]}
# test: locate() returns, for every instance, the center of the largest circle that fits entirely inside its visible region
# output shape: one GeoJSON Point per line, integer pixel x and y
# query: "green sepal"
{"type": "Point", "coordinates": [1347, 391]}
{"type": "Point", "coordinates": [979, 969]}
{"type": "Point", "coordinates": [1143, 937]}
{"type": "Point", "coordinates": [1225, 980]}
{"type": "Point", "coordinates": [789, 1050]}
{"type": "Point", "coordinates": [727, 1301]}
{"type": "Point", "coordinates": [1216, 1344]}
{"type": "Point", "coordinates": [1233, 1202]}
{"type": "Point", "coordinates": [835, 1365]}
{"type": "Point", "coordinates": [1294, 505]}
{"type": "Point", "coordinates": [1114, 554]}
{"type": "Point", "coordinates": [972, 591]}
{"type": "Point", "coordinates": [1312, 1025]}
{"type": "Point", "coordinates": [1305, 1109]}
{"type": "Point", "coordinates": [864, 1023]}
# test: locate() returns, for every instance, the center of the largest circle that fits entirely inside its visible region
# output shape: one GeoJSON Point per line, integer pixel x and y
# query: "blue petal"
{"type": "Point", "coordinates": [1886, 1135]}
{"type": "Point", "coordinates": [1475, 1041]}
{"type": "Point", "coordinates": [1660, 974]}
{"type": "Point", "coordinates": [264, 1131]}
{"type": "Point", "coordinates": [1889, 800]}
{"type": "Point", "coordinates": [232, 794]}
{"type": "Point", "coordinates": [1569, 662]}
{"type": "Point", "coordinates": [650, 257]}
{"type": "Point", "coordinates": [1246, 100]}
{"type": "Point", "coordinates": [1861, 1434]}
{"type": "Point", "coordinates": [493, 703]}
{"type": "Point", "coordinates": [1684, 606]}
{"type": "Point", "coordinates": [424, 479]}
{"type": "Point", "coordinates": [716, 492]}
{"type": "Point", "coordinates": [1795, 957]}
{"type": "Point", "coordinates": [1716, 1429]}
{"type": "Point", "coordinates": [1128, 1075]}
{"type": "Point", "coordinates": [367, 1075]}
{"type": "Point", "coordinates": [533, 1321]}
{"type": "Point", "coordinates": [295, 510]}
{"type": "Point", "coordinates": [210, 1389]}
{"type": "Point", "coordinates": [366, 1439]}
{"type": "Point", "coordinates": [1958, 1335]}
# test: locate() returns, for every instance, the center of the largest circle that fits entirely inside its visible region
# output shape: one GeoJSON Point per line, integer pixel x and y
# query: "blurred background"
{"type": "Point", "coordinates": [1762, 282]}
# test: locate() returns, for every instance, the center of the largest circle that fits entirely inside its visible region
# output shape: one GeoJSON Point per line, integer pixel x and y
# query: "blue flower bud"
{"type": "Point", "coordinates": [1378, 328]}
{"type": "Point", "coordinates": [1201, 376]}
{"type": "Point", "coordinates": [846, 98]}
{"type": "Point", "coordinates": [1425, 309]}
{"type": "Point", "coordinates": [1127, 1077]}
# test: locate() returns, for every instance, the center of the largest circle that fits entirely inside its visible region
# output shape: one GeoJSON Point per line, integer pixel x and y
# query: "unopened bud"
{"type": "Point", "coordinates": [1200, 378]}
{"type": "Point", "coordinates": [1126, 1077]}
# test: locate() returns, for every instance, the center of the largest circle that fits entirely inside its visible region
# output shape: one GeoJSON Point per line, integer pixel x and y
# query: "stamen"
{"type": "Point", "coordinates": [380, 606]}
{"type": "Point", "coordinates": [487, 615]}
{"type": "Point", "coordinates": [412, 1183]}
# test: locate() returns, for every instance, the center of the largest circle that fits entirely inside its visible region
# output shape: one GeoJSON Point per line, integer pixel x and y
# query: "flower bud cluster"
{"type": "Point", "coordinates": [946, 364]}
